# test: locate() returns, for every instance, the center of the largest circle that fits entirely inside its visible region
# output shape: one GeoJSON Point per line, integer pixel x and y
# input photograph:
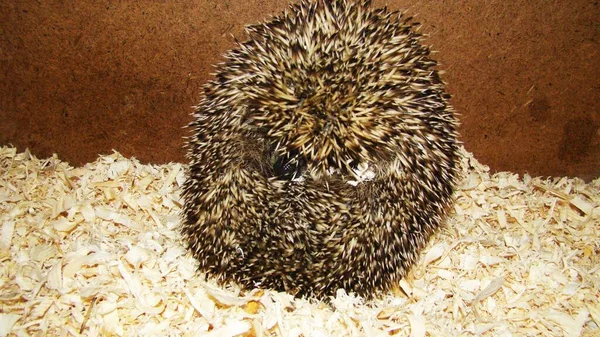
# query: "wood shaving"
{"type": "Point", "coordinates": [95, 251]}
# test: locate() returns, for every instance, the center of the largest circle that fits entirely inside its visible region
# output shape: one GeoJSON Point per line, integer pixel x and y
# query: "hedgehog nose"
{"type": "Point", "coordinates": [286, 169]}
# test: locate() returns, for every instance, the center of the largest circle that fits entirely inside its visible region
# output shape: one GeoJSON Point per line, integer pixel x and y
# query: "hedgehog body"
{"type": "Point", "coordinates": [314, 94]}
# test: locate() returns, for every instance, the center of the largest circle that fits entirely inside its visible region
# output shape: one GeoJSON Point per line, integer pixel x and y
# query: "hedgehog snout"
{"type": "Point", "coordinates": [285, 168]}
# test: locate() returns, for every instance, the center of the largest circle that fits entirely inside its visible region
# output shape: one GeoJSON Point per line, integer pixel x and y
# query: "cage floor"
{"type": "Point", "coordinates": [95, 251]}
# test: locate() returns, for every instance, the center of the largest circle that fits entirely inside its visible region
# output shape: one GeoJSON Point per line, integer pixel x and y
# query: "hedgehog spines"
{"type": "Point", "coordinates": [294, 113]}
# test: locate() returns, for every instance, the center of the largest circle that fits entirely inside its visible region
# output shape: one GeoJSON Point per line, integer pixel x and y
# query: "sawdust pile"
{"type": "Point", "coordinates": [95, 251]}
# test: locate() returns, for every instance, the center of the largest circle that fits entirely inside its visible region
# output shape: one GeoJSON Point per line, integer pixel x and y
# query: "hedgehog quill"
{"type": "Point", "coordinates": [323, 155]}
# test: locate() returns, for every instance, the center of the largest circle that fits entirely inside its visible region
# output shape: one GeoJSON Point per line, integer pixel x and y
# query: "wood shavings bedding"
{"type": "Point", "coordinates": [95, 251]}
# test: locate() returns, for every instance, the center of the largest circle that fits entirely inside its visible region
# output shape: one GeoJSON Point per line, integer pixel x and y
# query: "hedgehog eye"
{"type": "Point", "coordinates": [286, 169]}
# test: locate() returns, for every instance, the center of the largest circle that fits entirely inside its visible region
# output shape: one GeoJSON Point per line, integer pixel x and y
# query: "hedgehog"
{"type": "Point", "coordinates": [323, 153]}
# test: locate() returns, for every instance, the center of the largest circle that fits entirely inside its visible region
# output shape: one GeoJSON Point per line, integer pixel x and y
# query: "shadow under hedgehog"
{"type": "Point", "coordinates": [324, 154]}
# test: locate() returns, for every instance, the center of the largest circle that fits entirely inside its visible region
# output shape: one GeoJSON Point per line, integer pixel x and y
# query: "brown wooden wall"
{"type": "Point", "coordinates": [81, 78]}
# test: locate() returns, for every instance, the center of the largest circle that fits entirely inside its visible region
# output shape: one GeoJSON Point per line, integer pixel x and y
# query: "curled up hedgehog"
{"type": "Point", "coordinates": [324, 154]}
